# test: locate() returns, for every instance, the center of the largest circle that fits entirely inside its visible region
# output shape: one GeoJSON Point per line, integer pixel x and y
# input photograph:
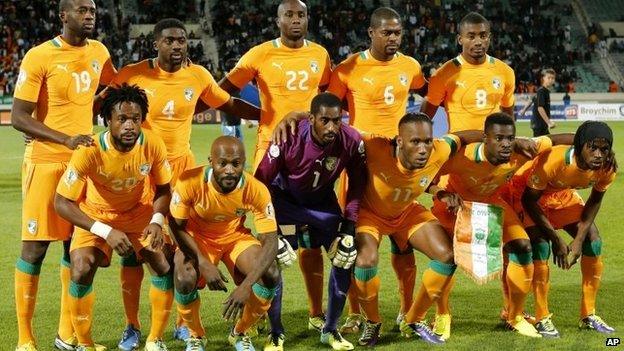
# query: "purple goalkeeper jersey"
{"type": "Point", "coordinates": [308, 171]}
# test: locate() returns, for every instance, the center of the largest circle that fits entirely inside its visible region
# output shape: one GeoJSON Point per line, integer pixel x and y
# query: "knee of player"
{"type": "Point", "coordinates": [367, 259]}
{"type": "Point", "coordinates": [160, 266]}
{"type": "Point", "coordinates": [271, 276]}
{"type": "Point", "coordinates": [522, 246]}
{"type": "Point", "coordinates": [185, 280]}
{"type": "Point", "coordinates": [593, 234]}
{"type": "Point", "coordinates": [81, 268]}
{"type": "Point", "coordinates": [34, 251]}
{"type": "Point", "coordinates": [446, 256]}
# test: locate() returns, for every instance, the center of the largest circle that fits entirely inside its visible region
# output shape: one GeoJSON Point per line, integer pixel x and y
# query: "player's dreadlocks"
{"type": "Point", "coordinates": [123, 93]}
{"type": "Point", "coordinates": [590, 131]}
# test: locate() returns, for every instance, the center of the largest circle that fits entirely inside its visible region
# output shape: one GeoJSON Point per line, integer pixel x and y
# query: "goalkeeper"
{"type": "Point", "coordinates": [300, 174]}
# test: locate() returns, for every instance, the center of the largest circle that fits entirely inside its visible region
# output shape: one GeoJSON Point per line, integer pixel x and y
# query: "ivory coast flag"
{"type": "Point", "coordinates": [477, 241]}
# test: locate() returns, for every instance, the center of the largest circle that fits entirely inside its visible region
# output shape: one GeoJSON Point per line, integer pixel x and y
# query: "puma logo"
{"type": "Point", "coordinates": [385, 177]}
{"type": "Point", "coordinates": [63, 67]}
{"type": "Point", "coordinates": [368, 80]}
{"type": "Point", "coordinates": [278, 65]}
{"type": "Point", "coordinates": [150, 92]}
{"type": "Point", "coordinates": [460, 83]}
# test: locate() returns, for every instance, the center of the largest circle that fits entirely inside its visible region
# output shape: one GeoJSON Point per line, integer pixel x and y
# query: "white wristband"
{"type": "Point", "coordinates": [100, 229]}
{"type": "Point", "coordinates": [158, 218]}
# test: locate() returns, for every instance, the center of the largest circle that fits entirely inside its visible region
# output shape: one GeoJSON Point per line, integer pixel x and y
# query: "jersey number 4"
{"type": "Point", "coordinates": [169, 109]}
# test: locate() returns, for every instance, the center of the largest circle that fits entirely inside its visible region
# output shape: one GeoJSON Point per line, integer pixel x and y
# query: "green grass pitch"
{"type": "Point", "coordinates": [475, 308]}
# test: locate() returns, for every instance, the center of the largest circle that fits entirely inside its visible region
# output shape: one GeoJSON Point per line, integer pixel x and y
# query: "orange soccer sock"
{"type": "Point", "coordinates": [367, 283]}
{"type": "Point", "coordinates": [188, 312]}
{"type": "Point", "coordinates": [404, 265]}
{"type": "Point", "coordinates": [352, 298]}
{"type": "Point", "coordinates": [81, 301]}
{"type": "Point", "coordinates": [519, 280]}
{"type": "Point", "coordinates": [65, 328]}
{"type": "Point", "coordinates": [26, 283]}
{"type": "Point", "coordinates": [257, 305]}
{"type": "Point", "coordinates": [161, 299]}
{"type": "Point", "coordinates": [131, 276]}
{"type": "Point", "coordinates": [504, 285]}
{"type": "Point", "coordinates": [442, 304]}
{"type": "Point", "coordinates": [435, 279]}
{"type": "Point", "coordinates": [541, 278]}
{"type": "Point", "coordinates": [311, 265]}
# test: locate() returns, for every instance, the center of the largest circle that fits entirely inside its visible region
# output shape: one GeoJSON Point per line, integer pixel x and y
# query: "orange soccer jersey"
{"type": "Point", "coordinates": [471, 92]}
{"type": "Point", "coordinates": [62, 79]}
{"type": "Point", "coordinates": [474, 178]}
{"type": "Point", "coordinates": [287, 79]}
{"type": "Point", "coordinates": [391, 188]}
{"type": "Point", "coordinates": [105, 180]}
{"type": "Point", "coordinates": [172, 98]}
{"type": "Point", "coordinates": [215, 217]}
{"type": "Point", "coordinates": [376, 91]}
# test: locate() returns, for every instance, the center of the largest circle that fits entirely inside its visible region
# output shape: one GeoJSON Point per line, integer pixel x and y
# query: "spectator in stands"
{"type": "Point", "coordinates": [613, 87]}
{"type": "Point", "coordinates": [566, 99]}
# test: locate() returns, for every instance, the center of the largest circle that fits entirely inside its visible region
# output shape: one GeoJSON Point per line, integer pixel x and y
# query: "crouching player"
{"type": "Point", "coordinates": [544, 196]}
{"type": "Point", "coordinates": [103, 194]}
{"type": "Point", "coordinates": [208, 210]}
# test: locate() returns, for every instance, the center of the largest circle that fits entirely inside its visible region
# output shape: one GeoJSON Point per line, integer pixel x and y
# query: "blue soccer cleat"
{"type": "Point", "coordinates": [130, 339]}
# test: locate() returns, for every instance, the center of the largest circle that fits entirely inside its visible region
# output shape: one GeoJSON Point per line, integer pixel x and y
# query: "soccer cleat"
{"type": "Point", "coordinates": [69, 345]}
{"type": "Point", "coordinates": [370, 334]}
{"type": "Point", "coordinates": [155, 345]}
{"type": "Point", "coordinates": [275, 342]}
{"type": "Point", "coordinates": [29, 346]}
{"type": "Point", "coordinates": [353, 324]}
{"type": "Point", "coordinates": [522, 327]}
{"type": "Point", "coordinates": [258, 328]}
{"type": "Point", "coordinates": [241, 342]}
{"type": "Point", "coordinates": [421, 330]}
{"type": "Point", "coordinates": [593, 322]}
{"type": "Point", "coordinates": [194, 344]}
{"type": "Point", "coordinates": [442, 326]}
{"type": "Point", "coordinates": [130, 339]}
{"type": "Point", "coordinates": [96, 347]}
{"type": "Point", "coordinates": [316, 323]}
{"type": "Point", "coordinates": [336, 341]}
{"type": "Point", "coordinates": [504, 315]}
{"type": "Point", "coordinates": [181, 333]}
{"type": "Point", "coordinates": [546, 327]}
{"type": "Point", "coordinates": [400, 317]}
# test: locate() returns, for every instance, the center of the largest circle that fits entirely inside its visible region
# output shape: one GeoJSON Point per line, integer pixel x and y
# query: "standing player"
{"type": "Point", "coordinates": [104, 194]}
{"type": "Point", "coordinates": [208, 209]}
{"type": "Point", "coordinates": [173, 86]}
{"type": "Point", "coordinates": [471, 86]}
{"type": "Point", "coordinates": [477, 173]}
{"type": "Point", "coordinates": [399, 170]}
{"type": "Point", "coordinates": [544, 195]}
{"type": "Point", "coordinates": [56, 85]}
{"type": "Point", "coordinates": [301, 173]}
{"type": "Point", "coordinates": [376, 84]}
{"type": "Point", "coordinates": [289, 71]}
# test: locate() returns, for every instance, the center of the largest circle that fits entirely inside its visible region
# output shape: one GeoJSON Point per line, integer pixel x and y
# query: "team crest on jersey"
{"type": "Point", "coordinates": [314, 66]}
{"type": "Point", "coordinates": [330, 163]}
{"type": "Point", "coordinates": [403, 79]}
{"type": "Point", "coordinates": [188, 94]}
{"type": "Point", "coordinates": [144, 169]}
{"type": "Point", "coordinates": [96, 66]}
{"type": "Point", "coordinates": [240, 212]}
{"type": "Point", "coordinates": [175, 198]}
{"type": "Point", "coordinates": [21, 78]}
{"type": "Point", "coordinates": [496, 83]}
{"type": "Point", "coordinates": [32, 226]}
{"type": "Point", "coordinates": [71, 177]}
{"type": "Point", "coordinates": [274, 151]}
{"type": "Point", "coordinates": [535, 179]}
{"type": "Point", "coordinates": [424, 181]}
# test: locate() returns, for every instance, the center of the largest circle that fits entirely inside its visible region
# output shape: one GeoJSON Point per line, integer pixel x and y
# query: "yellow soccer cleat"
{"type": "Point", "coordinates": [155, 345]}
{"type": "Point", "coordinates": [522, 327]}
{"type": "Point", "coordinates": [274, 342]}
{"type": "Point", "coordinates": [442, 326]}
{"type": "Point", "coordinates": [316, 322]}
{"type": "Point", "coordinates": [336, 341]}
{"type": "Point", "coordinates": [29, 346]}
{"type": "Point", "coordinates": [353, 324]}
{"type": "Point", "coordinates": [96, 347]}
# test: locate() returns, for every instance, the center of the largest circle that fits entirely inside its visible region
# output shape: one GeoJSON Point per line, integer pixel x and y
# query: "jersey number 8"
{"type": "Point", "coordinates": [481, 98]}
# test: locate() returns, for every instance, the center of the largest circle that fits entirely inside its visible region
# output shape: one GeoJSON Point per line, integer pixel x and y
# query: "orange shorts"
{"type": "Point", "coordinates": [561, 208]}
{"type": "Point", "coordinates": [512, 226]}
{"type": "Point", "coordinates": [227, 252]}
{"type": "Point", "coordinates": [400, 229]}
{"type": "Point", "coordinates": [181, 164]}
{"type": "Point", "coordinates": [39, 219]}
{"type": "Point", "coordinates": [130, 222]}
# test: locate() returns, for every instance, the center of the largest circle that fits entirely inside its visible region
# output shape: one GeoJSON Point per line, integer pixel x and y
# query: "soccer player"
{"type": "Point", "coordinates": [376, 84]}
{"type": "Point", "coordinates": [399, 170]}
{"type": "Point", "coordinates": [208, 210]}
{"type": "Point", "coordinates": [173, 86]}
{"type": "Point", "coordinates": [477, 173]}
{"type": "Point", "coordinates": [545, 198]}
{"type": "Point", "coordinates": [541, 121]}
{"type": "Point", "coordinates": [301, 173]}
{"type": "Point", "coordinates": [474, 84]}
{"type": "Point", "coordinates": [104, 194]}
{"type": "Point", "coordinates": [56, 85]}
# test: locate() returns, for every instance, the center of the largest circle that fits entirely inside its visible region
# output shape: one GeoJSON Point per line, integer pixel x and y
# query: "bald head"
{"type": "Point", "coordinates": [228, 145]}
{"type": "Point", "coordinates": [65, 5]}
{"type": "Point", "coordinates": [227, 158]}
{"type": "Point", "coordinates": [290, 4]}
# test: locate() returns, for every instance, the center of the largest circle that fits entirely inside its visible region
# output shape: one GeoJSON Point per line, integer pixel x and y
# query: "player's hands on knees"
{"type": "Point", "coordinates": [234, 304]}
{"type": "Point", "coordinates": [154, 230]}
{"type": "Point", "coordinates": [452, 200]}
{"type": "Point", "coordinates": [526, 147]}
{"type": "Point", "coordinates": [286, 256]}
{"type": "Point", "coordinates": [73, 142]}
{"type": "Point", "coordinates": [560, 252]}
{"type": "Point", "coordinates": [215, 280]}
{"type": "Point", "coordinates": [342, 251]}
{"type": "Point", "coordinates": [575, 250]}
{"type": "Point", "coordinates": [287, 125]}
{"type": "Point", "coordinates": [119, 241]}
